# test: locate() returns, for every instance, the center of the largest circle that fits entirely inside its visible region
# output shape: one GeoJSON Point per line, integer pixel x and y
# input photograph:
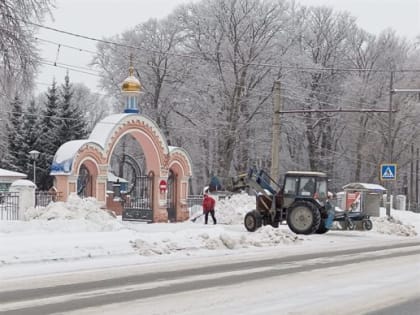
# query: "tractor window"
{"type": "Point", "coordinates": [307, 186]}
{"type": "Point", "coordinates": [290, 185]}
{"type": "Point", "coordinates": [321, 188]}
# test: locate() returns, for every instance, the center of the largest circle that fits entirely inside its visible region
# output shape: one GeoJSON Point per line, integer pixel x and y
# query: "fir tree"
{"type": "Point", "coordinates": [14, 157]}
{"type": "Point", "coordinates": [48, 141]}
{"type": "Point", "coordinates": [30, 133]}
{"type": "Point", "coordinates": [73, 123]}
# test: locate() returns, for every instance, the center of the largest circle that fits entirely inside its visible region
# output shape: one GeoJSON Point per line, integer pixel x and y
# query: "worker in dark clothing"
{"type": "Point", "coordinates": [208, 207]}
{"type": "Point", "coordinates": [309, 186]}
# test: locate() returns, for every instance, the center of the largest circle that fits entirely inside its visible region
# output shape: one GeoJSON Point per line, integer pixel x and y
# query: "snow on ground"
{"type": "Point", "coordinates": [80, 233]}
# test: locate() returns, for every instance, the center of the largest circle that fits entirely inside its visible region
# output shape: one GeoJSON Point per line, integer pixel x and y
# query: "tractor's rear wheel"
{"type": "Point", "coordinates": [303, 217]}
{"type": "Point", "coordinates": [253, 221]}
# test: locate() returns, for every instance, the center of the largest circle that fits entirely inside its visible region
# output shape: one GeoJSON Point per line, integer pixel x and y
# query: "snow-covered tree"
{"type": "Point", "coordinates": [231, 38]}
{"type": "Point", "coordinates": [19, 56]}
{"type": "Point", "coordinates": [48, 142]}
{"type": "Point", "coordinates": [208, 70]}
{"type": "Point", "coordinates": [30, 134]}
{"type": "Point", "coordinates": [14, 159]}
{"type": "Point", "coordinates": [94, 106]}
{"type": "Point", "coordinates": [72, 120]}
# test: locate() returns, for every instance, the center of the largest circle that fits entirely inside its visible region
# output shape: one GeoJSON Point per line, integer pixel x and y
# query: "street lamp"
{"type": "Point", "coordinates": [34, 154]}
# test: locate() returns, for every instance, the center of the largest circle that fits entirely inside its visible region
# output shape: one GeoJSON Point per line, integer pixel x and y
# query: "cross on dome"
{"type": "Point", "coordinates": [131, 89]}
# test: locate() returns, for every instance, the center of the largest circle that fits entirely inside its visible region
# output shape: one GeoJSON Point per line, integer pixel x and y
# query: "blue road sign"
{"type": "Point", "coordinates": [388, 171]}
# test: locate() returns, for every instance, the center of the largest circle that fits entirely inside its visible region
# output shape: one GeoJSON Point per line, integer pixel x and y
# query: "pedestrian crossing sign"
{"type": "Point", "coordinates": [388, 171]}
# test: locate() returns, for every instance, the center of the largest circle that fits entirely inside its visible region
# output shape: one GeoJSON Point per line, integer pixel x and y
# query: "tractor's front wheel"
{"type": "Point", "coordinates": [303, 217]}
{"type": "Point", "coordinates": [253, 221]}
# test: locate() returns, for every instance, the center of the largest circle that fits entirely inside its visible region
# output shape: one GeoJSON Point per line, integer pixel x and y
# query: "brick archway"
{"type": "Point", "coordinates": [95, 154]}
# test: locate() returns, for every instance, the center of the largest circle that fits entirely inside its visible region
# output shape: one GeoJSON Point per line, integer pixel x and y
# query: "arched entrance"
{"type": "Point", "coordinates": [84, 166]}
{"type": "Point", "coordinates": [84, 182]}
{"type": "Point", "coordinates": [136, 187]}
{"type": "Point", "coordinates": [89, 166]}
{"type": "Point", "coordinates": [171, 196]}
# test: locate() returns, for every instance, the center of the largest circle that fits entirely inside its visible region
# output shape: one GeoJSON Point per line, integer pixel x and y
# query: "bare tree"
{"type": "Point", "coordinates": [233, 37]}
{"type": "Point", "coordinates": [18, 57]}
{"type": "Point", "coordinates": [154, 54]}
{"type": "Point", "coordinates": [325, 41]}
{"type": "Point", "coordinates": [95, 106]}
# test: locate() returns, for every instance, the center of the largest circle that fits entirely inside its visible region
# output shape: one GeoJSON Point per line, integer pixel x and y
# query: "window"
{"type": "Point", "coordinates": [290, 185]}
{"type": "Point", "coordinates": [307, 186]}
{"type": "Point", "coordinates": [4, 186]}
{"type": "Point", "coordinates": [321, 188]}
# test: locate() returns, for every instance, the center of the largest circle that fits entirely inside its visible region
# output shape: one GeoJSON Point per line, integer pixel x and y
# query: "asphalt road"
{"type": "Point", "coordinates": [71, 297]}
{"type": "Point", "coordinates": [410, 307]}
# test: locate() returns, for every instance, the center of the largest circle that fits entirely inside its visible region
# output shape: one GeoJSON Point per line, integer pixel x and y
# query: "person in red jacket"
{"type": "Point", "coordinates": [208, 207]}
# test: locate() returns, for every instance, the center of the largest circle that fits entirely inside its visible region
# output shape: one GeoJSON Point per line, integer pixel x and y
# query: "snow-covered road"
{"type": "Point", "coordinates": [347, 289]}
{"type": "Point", "coordinates": [356, 280]}
{"type": "Point", "coordinates": [78, 242]}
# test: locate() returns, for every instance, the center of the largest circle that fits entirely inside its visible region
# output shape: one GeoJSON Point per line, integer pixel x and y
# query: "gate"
{"type": "Point", "coordinates": [171, 197]}
{"type": "Point", "coordinates": [84, 182]}
{"type": "Point", "coordinates": [44, 198]}
{"type": "Point", "coordinates": [9, 205]}
{"type": "Point", "coordinates": [138, 206]}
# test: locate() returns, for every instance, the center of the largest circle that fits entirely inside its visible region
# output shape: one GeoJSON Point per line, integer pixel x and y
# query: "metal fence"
{"type": "Point", "coordinates": [195, 203]}
{"type": "Point", "coordinates": [9, 205]}
{"type": "Point", "coordinates": [44, 198]}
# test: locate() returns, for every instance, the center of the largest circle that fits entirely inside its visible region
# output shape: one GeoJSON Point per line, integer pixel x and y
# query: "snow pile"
{"type": "Point", "coordinates": [269, 236]}
{"type": "Point", "coordinates": [230, 210]}
{"type": "Point", "coordinates": [213, 238]}
{"type": "Point", "coordinates": [393, 226]}
{"type": "Point", "coordinates": [85, 213]}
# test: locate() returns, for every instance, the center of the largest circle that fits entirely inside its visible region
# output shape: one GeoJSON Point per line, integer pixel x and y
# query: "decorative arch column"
{"type": "Point", "coordinates": [180, 164]}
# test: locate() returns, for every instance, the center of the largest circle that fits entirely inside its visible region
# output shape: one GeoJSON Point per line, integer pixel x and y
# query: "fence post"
{"type": "Point", "coordinates": [26, 190]}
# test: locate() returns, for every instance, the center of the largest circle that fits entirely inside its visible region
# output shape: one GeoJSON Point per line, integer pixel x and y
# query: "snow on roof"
{"type": "Point", "coordinates": [68, 150]}
{"type": "Point", "coordinates": [7, 173]}
{"type": "Point", "coordinates": [364, 187]}
{"type": "Point", "coordinates": [63, 159]}
{"type": "Point", "coordinates": [309, 173]}
{"type": "Point", "coordinates": [104, 128]}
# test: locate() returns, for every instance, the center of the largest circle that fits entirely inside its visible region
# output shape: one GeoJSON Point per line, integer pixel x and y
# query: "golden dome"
{"type": "Point", "coordinates": [131, 83]}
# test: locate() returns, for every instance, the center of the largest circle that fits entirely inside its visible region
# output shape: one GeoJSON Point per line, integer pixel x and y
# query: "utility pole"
{"type": "Point", "coordinates": [275, 141]}
{"type": "Point", "coordinates": [389, 188]}
{"type": "Point", "coordinates": [417, 180]}
{"type": "Point", "coordinates": [390, 142]}
{"type": "Point", "coordinates": [411, 199]}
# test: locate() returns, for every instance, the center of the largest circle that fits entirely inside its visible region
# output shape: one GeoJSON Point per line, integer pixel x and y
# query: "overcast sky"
{"type": "Point", "coordinates": [99, 18]}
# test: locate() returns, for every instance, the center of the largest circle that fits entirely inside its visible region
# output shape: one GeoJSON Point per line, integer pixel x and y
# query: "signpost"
{"type": "Point", "coordinates": [388, 172]}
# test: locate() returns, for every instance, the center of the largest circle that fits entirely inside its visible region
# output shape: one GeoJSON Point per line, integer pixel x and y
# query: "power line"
{"type": "Point", "coordinates": [66, 46]}
{"type": "Point", "coordinates": [296, 68]}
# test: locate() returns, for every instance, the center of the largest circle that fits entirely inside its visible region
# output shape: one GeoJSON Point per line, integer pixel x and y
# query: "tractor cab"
{"type": "Point", "coordinates": [305, 186]}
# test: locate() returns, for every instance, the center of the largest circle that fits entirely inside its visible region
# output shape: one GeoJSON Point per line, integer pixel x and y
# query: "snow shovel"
{"type": "Point", "coordinates": [194, 219]}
